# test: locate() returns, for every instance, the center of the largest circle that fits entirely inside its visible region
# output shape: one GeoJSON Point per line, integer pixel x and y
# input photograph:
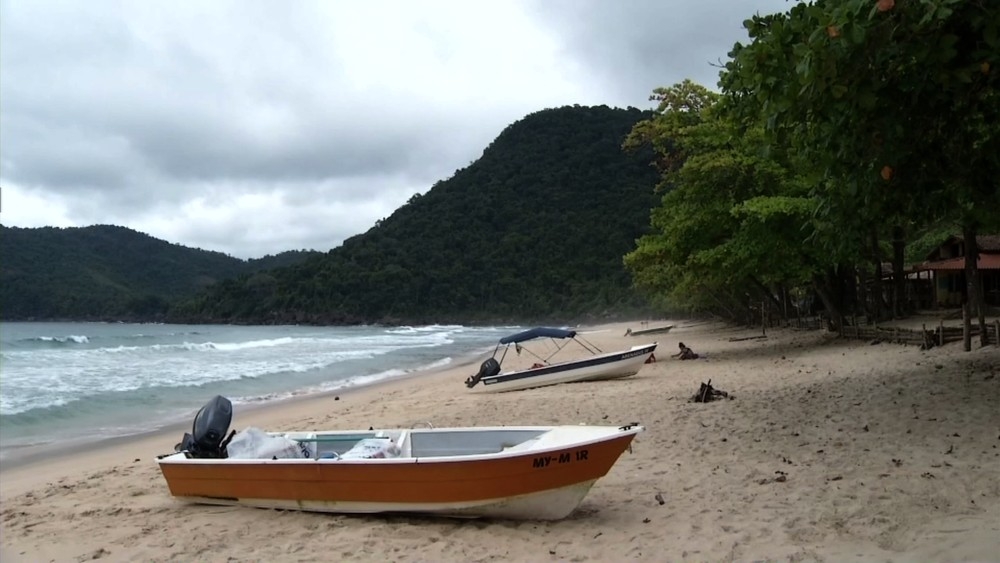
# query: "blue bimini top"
{"type": "Point", "coordinates": [538, 332]}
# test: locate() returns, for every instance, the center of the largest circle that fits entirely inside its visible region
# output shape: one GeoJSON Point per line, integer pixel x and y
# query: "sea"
{"type": "Point", "coordinates": [67, 383]}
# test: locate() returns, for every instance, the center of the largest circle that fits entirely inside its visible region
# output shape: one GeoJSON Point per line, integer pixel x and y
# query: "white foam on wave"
{"type": "Point", "coordinates": [76, 338]}
{"type": "Point", "coordinates": [286, 362]}
{"type": "Point", "coordinates": [267, 343]}
{"type": "Point", "coordinates": [437, 364]}
{"type": "Point", "coordinates": [50, 388]}
{"type": "Point", "coordinates": [11, 406]}
{"type": "Point", "coordinates": [406, 329]}
{"type": "Point", "coordinates": [350, 382]}
{"type": "Point", "coordinates": [215, 346]}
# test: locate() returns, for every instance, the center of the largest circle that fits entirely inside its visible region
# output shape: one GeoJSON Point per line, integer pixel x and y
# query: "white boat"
{"type": "Point", "coordinates": [648, 331]}
{"type": "Point", "coordinates": [517, 472]}
{"type": "Point", "coordinates": [598, 366]}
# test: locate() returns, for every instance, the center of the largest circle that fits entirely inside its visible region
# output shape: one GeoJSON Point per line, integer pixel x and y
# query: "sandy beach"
{"type": "Point", "coordinates": [828, 450]}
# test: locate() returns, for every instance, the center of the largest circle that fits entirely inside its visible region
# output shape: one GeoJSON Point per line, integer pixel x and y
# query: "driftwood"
{"type": "Point", "coordinates": [706, 393]}
{"type": "Point", "coordinates": [645, 331]}
{"type": "Point", "coordinates": [748, 338]}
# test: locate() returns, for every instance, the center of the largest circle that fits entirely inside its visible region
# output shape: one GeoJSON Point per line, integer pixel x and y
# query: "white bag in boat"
{"type": "Point", "coordinates": [254, 443]}
{"type": "Point", "coordinates": [372, 448]}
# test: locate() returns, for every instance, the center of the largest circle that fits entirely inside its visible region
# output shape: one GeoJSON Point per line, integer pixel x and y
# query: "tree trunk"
{"type": "Point", "coordinates": [864, 295]}
{"type": "Point", "coordinates": [784, 304]}
{"type": "Point", "coordinates": [827, 287]}
{"type": "Point", "coordinates": [767, 293]}
{"type": "Point", "coordinates": [877, 282]}
{"type": "Point", "coordinates": [899, 305]}
{"type": "Point", "coordinates": [973, 285]}
{"type": "Point", "coordinates": [732, 316]}
{"type": "Point", "coordinates": [984, 337]}
{"type": "Point", "coordinates": [847, 284]}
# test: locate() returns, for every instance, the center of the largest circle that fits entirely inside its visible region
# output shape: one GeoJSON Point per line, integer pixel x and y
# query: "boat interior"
{"type": "Point", "coordinates": [426, 442]}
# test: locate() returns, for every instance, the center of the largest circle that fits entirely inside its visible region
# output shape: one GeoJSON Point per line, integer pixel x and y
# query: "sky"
{"type": "Point", "coordinates": [252, 127]}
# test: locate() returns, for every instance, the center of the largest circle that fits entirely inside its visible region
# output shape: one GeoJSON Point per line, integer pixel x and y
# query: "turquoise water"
{"type": "Point", "coordinates": [66, 381]}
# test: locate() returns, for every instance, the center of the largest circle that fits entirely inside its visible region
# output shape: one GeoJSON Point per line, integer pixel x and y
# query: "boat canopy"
{"type": "Point", "coordinates": [538, 332]}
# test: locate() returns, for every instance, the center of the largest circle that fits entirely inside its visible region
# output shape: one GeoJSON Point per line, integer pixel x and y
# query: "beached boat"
{"type": "Point", "coordinates": [597, 366]}
{"type": "Point", "coordinates": [517, 472]}
{"type": "Point", "coordinates": [646, 331]}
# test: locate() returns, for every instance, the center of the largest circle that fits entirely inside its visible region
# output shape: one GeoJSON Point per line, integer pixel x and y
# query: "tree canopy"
{"type": "Point", "coordinates": [840, 125]}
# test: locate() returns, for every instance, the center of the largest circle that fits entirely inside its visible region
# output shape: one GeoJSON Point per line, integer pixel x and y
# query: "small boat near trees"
{"type": "Point", "coordinates": [516, 472]}
{"type": "Point", "coordinates": [646, 331]}
{"type": "Point", "coordinates": [597, 366]}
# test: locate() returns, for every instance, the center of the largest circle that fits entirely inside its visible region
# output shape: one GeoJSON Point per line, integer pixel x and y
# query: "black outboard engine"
{"type": "Point", "coordinates": [489, 368]}
{"type": "Point", "coordinates": [208, 433]}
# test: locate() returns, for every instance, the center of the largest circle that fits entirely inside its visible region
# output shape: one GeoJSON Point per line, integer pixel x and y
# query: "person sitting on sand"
{"type": "Point", "coordinates": [685, 353]}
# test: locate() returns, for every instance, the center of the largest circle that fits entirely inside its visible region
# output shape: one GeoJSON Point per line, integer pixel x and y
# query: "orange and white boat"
{"type": "Point", "coordinates": [518, 472]}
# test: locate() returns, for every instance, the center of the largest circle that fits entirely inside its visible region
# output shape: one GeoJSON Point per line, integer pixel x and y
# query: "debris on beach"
{"type": "Point", "coordinates": [781, 478]}
{"type": "Point", "coordinates": [742, 339]}
{"type": "Point", "coordinates": [707, 393]}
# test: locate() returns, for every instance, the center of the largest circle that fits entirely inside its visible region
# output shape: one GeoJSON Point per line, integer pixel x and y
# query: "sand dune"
{"type": "Point", "coordinates": [828, 450]}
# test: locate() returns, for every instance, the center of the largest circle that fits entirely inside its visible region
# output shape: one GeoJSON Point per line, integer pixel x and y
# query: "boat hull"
{"type": "Point", "coordinates": [536, 483]}
{"type": "Point", "coordinates": [616, 365]}
{"type": "Point", "coordinates": [553, 504]}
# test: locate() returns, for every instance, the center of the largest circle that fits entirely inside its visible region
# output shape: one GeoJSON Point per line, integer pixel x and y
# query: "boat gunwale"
{"type": "Point", "coordinates": [623, 430]}
{"type": "Point", "coordinates": [567, 364]}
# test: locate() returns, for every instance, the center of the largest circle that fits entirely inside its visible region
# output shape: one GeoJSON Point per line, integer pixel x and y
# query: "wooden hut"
{"type": "Point", "coordinates": [946, 264]}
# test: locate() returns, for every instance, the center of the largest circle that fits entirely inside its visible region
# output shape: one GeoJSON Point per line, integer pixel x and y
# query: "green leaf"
{"type": "Point", "coordinates": [866, 99]}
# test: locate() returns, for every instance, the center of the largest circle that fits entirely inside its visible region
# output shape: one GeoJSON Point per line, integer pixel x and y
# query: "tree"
{"type": "Point", "coordinates": [897, 102]}
{"type": "Point", "coordinates": [733, 220]}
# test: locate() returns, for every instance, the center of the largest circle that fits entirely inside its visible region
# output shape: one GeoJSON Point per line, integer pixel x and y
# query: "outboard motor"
{"type": "Point", "coordinates": [489, 368]}
{"type": "Point", "coordinates": [208, 433]}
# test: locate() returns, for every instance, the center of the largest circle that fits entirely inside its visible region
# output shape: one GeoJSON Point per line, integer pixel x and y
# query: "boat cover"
{"type": "Point", "coordinates": [538, 332]}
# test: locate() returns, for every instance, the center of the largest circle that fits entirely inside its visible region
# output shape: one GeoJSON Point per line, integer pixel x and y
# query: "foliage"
{"type": "Point", "coordinates": [897, 101]}
{"type": "Point", "coordinates": [841, 124]}
{"type": "Point", "coordinates": [534, 229]}
{"type": "Point", "coordinates": [106, 272]}
{"type": "Point", "coordinates": [734, 219]}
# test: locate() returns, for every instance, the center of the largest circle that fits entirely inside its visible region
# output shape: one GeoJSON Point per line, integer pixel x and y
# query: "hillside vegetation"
{"type": "Point", "coordinates": [105, 272]}
{"type": "Point", "coordinates": [534, 229]}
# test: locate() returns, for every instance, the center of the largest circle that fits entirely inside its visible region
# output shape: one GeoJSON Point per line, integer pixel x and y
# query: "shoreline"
{"type": "Point", "coordinates": [16, 456]}
{"type": "Point", "coordinates": [826, 449]}
{"type": "Point", "coordinates": [20, 457]}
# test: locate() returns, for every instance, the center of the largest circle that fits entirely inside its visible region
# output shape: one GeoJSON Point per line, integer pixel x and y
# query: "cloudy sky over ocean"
{"type": "Point", "coordinates": [251, 127]}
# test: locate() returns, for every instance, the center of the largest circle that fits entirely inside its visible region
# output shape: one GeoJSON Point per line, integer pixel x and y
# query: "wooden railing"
{"type": "Point", "coordinates": [937, 336]}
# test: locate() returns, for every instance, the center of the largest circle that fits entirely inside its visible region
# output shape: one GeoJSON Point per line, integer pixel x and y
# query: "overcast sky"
{"type": "Point", "coordinates": [254, 127]}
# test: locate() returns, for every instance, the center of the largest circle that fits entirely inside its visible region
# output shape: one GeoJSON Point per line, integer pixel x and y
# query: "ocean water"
{"type": "Point", "coordinates": [81, 381]}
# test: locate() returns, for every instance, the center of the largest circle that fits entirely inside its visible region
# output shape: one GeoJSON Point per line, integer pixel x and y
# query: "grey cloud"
{"type": "Point", "coordinates": [180, 111]}
{"type": "Point", "coordinates": [635, 46]}
{"type": "Point", "coordinates": [179, 119]}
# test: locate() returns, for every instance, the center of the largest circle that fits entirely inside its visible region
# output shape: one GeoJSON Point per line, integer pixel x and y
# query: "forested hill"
{"type": "Point", "coordinates": [535, 229]}
{"type": "Point", "coordinates": [106, 272]}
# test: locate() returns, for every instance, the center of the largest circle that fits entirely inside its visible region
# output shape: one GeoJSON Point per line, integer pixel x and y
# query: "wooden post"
{"type": "Point", "coordinates": [784, 304]}
{"type": "Point", "coordinates": [763, 317]}
{"type": "Point", "coordinates": [996, 333]}
{"type": "Point", "coordinates": [966, 328]}
{"type": "Point", "coordinates": [941, 333]}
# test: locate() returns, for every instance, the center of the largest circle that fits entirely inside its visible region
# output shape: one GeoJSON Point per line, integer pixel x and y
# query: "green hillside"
{"type": "Point", "coordinates": [106, 272]}
{"type": "Point", "coordinates": [534, 229]}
